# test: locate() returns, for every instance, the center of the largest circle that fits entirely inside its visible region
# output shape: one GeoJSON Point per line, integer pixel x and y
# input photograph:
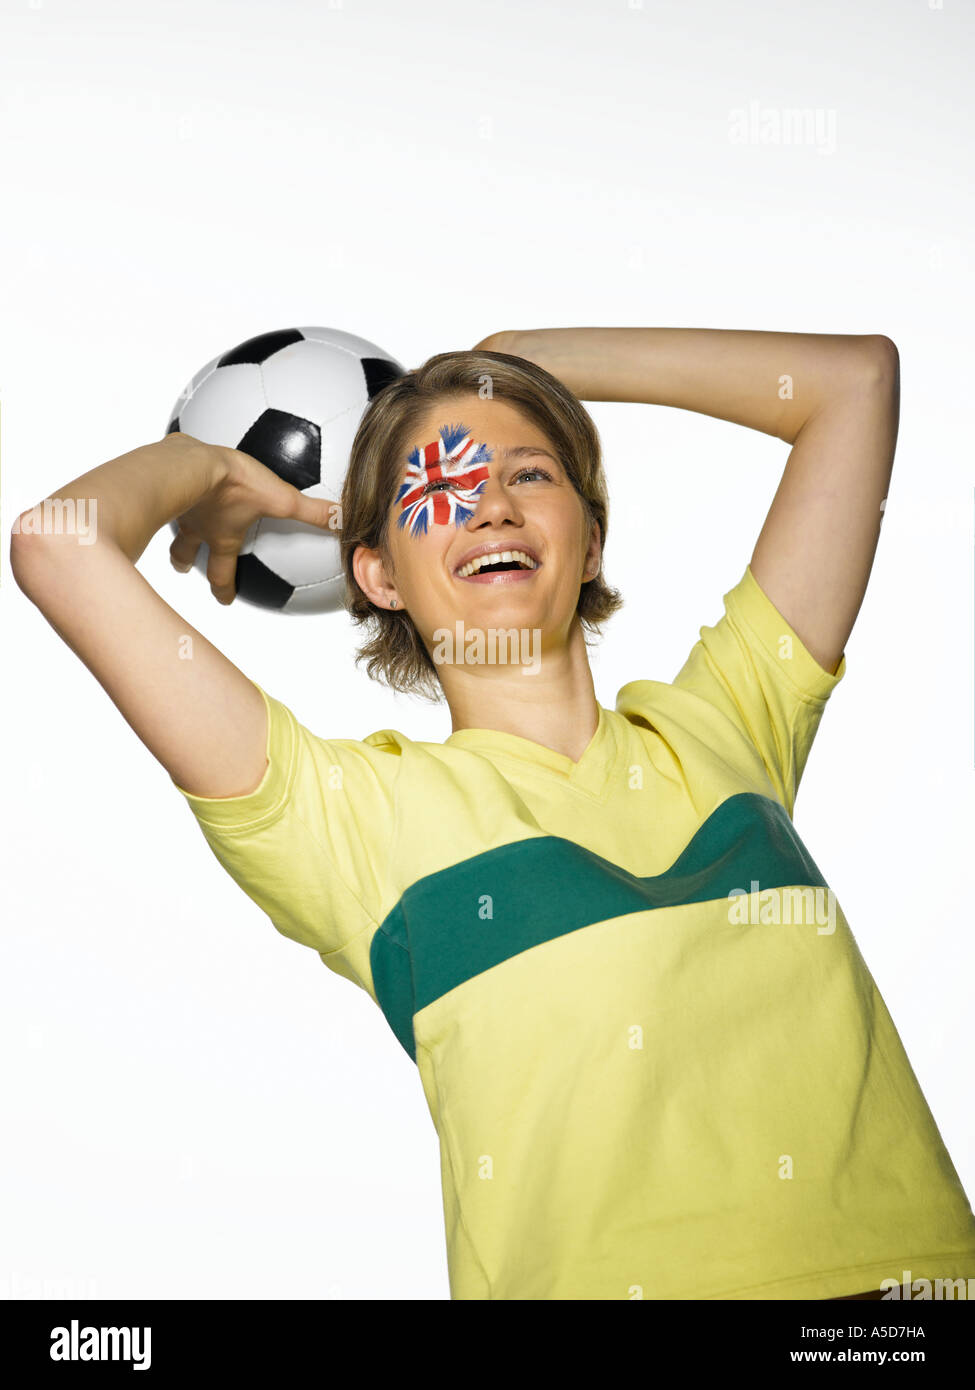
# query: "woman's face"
{"type": "Point", "coordinates": [505, 488]}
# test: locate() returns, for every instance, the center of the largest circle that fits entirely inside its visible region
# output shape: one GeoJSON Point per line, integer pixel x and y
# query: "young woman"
{"type": "Point", "coordinates": [657, 1063]}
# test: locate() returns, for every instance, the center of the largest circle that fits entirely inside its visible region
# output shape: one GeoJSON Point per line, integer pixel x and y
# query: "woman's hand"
{"type": "Point", "coordinates": [562, 352]}
{"type": "Point", "coordinates": [498, 342]}
{"type": "Point", "coordinates": [242, 491]}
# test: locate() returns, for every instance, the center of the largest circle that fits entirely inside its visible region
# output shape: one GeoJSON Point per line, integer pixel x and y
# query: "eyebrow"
{"type": "Point", "coordinates": [517, 451]}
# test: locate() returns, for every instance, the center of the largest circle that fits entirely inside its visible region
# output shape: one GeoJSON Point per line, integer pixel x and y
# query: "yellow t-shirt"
{"type": "Point", "coordinates": [656, 1061]}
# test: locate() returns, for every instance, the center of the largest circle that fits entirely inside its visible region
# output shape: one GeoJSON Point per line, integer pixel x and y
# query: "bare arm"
{"type": "Point", "coordinates": [199, 715]}
{"type": "Point", "coordinates": [833, 397]}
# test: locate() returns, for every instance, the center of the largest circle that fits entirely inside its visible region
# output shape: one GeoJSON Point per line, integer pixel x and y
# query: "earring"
{"type": "Point", "coordinates": [392, 603]}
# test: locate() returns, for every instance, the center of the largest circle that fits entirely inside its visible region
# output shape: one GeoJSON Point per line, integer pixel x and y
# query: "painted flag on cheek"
{"type": "Point", "coordinates": [455, 460]}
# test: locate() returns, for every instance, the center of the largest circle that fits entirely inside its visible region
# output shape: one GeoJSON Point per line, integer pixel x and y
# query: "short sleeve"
{"type": "Point", "coordinates": [753, 669]}
{"type": "Point", "coordinates": [308, 845]}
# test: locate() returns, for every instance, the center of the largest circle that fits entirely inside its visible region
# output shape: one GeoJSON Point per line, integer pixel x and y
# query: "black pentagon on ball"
{"type": "Point", "coordinates": [255, 583]}
{"type": "Point", "coordinates": [379, 373]}
{"type": "Point", "coordinates": [288, 445]}
{"type": "Point", "coordinates": [259, 349]}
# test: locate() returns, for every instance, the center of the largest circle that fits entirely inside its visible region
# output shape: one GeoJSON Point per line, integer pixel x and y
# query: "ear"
{"type": "Point", "coordinates": [371, 577]}
{"type": "Point", "coordinates": [593, 554]}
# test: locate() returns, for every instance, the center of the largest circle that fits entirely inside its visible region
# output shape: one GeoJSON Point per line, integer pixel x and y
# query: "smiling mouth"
{"type": "Point", "coordinates": [499, 571]}
{"type": "Point", "coordinates": [510, 561]}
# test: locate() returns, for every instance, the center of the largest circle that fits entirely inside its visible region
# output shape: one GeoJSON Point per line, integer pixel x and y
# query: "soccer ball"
{"type": "Point", "coordinates": [293, 400]}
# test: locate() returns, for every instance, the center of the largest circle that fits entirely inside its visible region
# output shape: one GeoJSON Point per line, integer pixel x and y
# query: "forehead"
{"type": "Point", "coordinates": [493, 422]}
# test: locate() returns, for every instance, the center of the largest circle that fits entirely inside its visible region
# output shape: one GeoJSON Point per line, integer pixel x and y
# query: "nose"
{"type": "Point", "coordinates": [495, 503]}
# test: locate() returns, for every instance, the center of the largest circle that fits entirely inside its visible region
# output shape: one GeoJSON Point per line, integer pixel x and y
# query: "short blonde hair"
{"type": "Point", "coordinates": [395, 651]}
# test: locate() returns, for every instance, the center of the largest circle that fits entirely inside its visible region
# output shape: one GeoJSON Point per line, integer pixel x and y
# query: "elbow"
{"type": "Point", "coordinates": [18, 553]}
{"type": "Point", "coordinates": [883, 358]}
{"type": "Point", "coordinates": [24, 551]}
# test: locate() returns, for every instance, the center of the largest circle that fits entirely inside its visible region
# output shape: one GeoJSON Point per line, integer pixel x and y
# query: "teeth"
{"type": "Point", "coordinates": [497, 557]}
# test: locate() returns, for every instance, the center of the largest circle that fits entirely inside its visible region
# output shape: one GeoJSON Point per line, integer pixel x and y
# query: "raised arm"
{"type": "Point", "coordinates": [834, 397]}
{"type": "Point", "coordinates": [201, 717]}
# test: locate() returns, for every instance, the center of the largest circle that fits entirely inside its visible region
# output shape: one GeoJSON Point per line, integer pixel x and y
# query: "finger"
{"type": "Point", "coordinates": [222, 574]}
{"type": "Point", "coordinates": [183, 550]}
{"type": "Point", "coordinates": [318, 511]}
{"type": "Point", "coordinates": [291, 505]}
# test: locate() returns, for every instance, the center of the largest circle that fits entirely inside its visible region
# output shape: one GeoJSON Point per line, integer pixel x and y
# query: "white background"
{"type": "Point", "coordinates": [193, 1106]}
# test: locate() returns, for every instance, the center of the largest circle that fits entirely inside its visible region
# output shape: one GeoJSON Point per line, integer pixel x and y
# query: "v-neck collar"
{"type": "Point", "coordinates": [590, 774]}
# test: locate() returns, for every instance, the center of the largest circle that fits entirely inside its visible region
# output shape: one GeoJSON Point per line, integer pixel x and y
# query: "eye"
{"type": "Point", "coordinates": [449, 482]}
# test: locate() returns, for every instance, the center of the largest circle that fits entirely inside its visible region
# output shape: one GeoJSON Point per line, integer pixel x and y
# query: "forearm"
{"type": "Point", "coordinates": [128, 499]}
{"type": "Point", "coordinates": [772, 382]}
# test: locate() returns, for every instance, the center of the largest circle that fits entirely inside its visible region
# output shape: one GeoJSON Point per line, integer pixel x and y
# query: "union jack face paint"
{"type": "Point", "coordinates": [455, 460]}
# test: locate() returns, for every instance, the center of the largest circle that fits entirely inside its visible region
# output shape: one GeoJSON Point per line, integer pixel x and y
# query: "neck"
{"type": "Point", "coordinates": [552, 702]}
